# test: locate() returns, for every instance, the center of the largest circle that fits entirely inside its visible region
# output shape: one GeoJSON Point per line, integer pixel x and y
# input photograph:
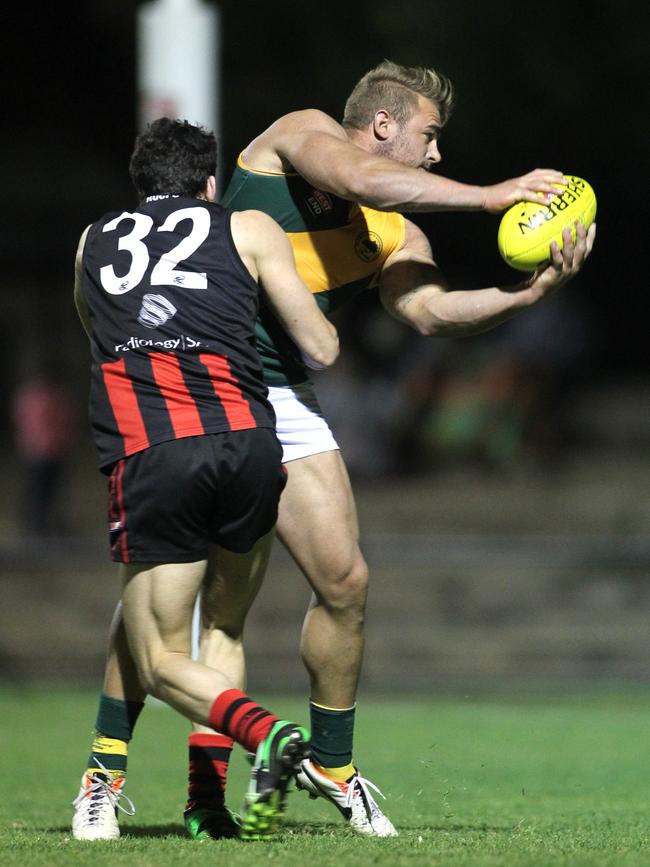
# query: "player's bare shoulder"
{"type": "Point", "coordinates": [78, 262]}
{"type": "Point", "coordinates": [312, 120]}
{"type": "Point", "coordinates": [81, 245]}
{"type": "Point", "coordinates": [256, 236]}
{"type": "Point", "coordinates": [271, 150]}
{"type": "Point", "coordinates": [247, 226]}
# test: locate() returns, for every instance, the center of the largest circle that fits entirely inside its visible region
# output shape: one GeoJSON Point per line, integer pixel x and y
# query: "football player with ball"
{"type": "Point", "coordinates": [340, 190]}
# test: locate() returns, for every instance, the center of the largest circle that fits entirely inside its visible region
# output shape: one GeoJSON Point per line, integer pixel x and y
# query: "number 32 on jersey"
{"type": "Point", "coordinates": [164, 271]}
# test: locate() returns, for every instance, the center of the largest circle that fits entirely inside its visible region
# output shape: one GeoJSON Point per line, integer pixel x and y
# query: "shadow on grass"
{"type": "Point", "coordinates": [170, 830]}
{"type": "Point", "coordinates": [313, 829]}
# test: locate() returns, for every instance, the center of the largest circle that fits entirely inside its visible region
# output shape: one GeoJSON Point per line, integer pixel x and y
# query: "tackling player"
{"type": "Point", "coordinates": [168, 294]}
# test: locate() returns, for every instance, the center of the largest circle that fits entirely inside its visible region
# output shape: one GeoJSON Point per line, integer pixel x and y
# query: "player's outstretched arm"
{"type": "Point", "coordinates": [413, 289]}
{"type": "Point", "coordinates": [267, 253]}
{"type": "Point", "coordinates": [79, 300]}
{"type": "Point", "coordinates": [317, 147]}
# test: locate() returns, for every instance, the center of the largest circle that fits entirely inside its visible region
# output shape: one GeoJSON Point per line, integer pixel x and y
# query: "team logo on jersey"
{"type": "Point", "coordinates": [155, 311]}
{"type": "Point", "coordinates": [368, 246]}
{"type": "Point", "coordinates": [319, 203]}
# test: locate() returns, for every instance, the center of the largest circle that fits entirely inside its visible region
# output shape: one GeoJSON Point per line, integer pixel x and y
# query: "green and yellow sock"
{"type": "Point", "coordinates": [108, 753]}
{"type": "Point", "coordinates": [116, 720]}
{"type": "Point", "coordinates": [332, 733]}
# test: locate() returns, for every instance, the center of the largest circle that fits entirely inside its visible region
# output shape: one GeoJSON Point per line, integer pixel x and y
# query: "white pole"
{"type": "Point", "coordinates": [178, 62]}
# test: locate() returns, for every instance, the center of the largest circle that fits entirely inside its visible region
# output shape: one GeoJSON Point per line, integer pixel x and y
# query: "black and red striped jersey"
{"type": "Point", "coordinates": [172, 308]}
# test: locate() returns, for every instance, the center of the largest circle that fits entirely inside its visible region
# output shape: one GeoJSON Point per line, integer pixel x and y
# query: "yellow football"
{"type": "Point", "coordinates": [527, 229]}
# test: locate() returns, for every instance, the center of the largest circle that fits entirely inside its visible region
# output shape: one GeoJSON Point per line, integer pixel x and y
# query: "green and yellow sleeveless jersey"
{"type": "Point", "coordinates": [340, 249]}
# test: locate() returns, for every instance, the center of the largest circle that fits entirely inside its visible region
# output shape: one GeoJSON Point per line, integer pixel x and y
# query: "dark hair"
{"type": "Point", "coordinates": [173, 156]}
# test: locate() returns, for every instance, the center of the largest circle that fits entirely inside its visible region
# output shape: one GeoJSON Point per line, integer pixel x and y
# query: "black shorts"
{"type": "Point", "coordinates": [170, 501]}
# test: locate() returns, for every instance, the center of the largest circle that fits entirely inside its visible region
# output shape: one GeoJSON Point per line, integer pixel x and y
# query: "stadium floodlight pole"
{"type": "Point", "coordinates": [178, 62]}
{"type": "Point", "coordinates": [179, 76]}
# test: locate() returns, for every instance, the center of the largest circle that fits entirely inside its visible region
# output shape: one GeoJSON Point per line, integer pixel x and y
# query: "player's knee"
{"type": "Point", "coordinates": [155, 673]}
{"type": "Point", "coordinates": [357, 584]}
{"type": "Point", "coordinates": [348, 592]}
{"type": "Point", "coordinates": [148, 677]}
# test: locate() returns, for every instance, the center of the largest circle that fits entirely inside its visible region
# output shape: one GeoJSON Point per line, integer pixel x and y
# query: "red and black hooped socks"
{"type": "Point", "coordinates": [209, 755]}
{"type": "Point", "coordinates": [242, 719]}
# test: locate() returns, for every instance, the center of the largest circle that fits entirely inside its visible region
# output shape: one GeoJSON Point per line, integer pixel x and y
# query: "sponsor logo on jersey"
{"type": "Point", "coordinates": [319, 203]}
{"type": "Point", "coordinates": [155, 311]}
{"type": "Point", "coordinates": [368, 246]}
{"type": "Point", "coordinates": [172, 343]}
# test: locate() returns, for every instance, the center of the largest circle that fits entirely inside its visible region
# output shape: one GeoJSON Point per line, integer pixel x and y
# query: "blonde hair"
{"type": "Point", "coordinates": [395, 88]}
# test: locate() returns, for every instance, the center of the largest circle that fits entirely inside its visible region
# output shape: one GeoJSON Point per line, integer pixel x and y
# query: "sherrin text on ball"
{"type": "Point", "coordinates": [527, 228]}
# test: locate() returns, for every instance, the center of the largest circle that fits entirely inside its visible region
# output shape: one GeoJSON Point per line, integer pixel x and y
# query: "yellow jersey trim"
{"type": "Point", "coordinates": [247, 168]}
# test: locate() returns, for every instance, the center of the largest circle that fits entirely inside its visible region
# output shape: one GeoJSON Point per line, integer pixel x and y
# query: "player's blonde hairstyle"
{"type": "Point", "coordinates": [395, 89]}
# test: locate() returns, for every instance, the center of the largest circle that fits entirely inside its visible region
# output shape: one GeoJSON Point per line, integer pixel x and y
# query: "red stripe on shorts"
{"type": "Point", "coordinates": [181, 406]}
{"type": "Point", "coordinates": [226, 387]}
{"type": "Point", "coordinates": [124, 404]}
{"type": "Point", "coordinates": [116, 508]}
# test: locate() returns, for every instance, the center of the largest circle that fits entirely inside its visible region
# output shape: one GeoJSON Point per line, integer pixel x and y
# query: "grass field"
{"type": "Point", "coordinates": [508, 779]}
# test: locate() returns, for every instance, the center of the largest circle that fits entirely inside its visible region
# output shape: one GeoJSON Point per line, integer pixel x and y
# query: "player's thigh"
{"type": "Point", "coordinates": [317, 520]}
{"type": "Point", "coordinates": [231, 583]}
{"type": "Point", "coordinates": [157, 605]}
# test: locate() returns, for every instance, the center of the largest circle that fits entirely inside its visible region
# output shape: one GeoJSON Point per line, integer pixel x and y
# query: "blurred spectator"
{"type": "Point", "coordinates": [499, 399]}
{"type": "Point", "coordinates": [44, 419]}
{"type": "Point", "coordinates": [495, 401]}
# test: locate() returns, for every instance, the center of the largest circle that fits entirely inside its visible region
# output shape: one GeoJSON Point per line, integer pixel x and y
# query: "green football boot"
{"type": "Point", "coordinates": [277, 758]}
{"type": "Point", "coordinates": [211, 821]}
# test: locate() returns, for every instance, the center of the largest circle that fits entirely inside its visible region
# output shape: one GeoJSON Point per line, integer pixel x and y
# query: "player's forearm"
{"type": "Point", "coordinates": [314, 335]}
{"type": "Point", "coordinates": [319, 348]}
{"type": "Point", "coordinates": [463, 313]}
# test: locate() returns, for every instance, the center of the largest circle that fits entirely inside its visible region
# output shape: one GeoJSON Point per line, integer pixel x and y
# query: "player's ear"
{"type": "Point", "coordinates": [211, 189]}
{"type": "Point", "coordinates": [382, 124]}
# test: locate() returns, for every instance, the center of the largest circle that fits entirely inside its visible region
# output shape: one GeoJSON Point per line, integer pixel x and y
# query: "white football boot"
{"type": "Point", "coordinates": [96, 806]}
{"type": "Point", "coordinates": [352, 799]}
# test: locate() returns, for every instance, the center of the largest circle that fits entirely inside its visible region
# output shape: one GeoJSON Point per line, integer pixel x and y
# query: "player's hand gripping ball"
{"type": "Point", "coordinates": [527, 229]}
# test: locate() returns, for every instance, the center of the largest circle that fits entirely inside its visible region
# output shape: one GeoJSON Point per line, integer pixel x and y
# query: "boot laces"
{"type": "Point", "coordinates": [101, 789]}
{"type": "Point", "coordinates": [364, 786]}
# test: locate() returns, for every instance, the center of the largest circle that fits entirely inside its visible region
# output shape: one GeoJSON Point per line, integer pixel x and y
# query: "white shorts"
{"type": "Point", "coordinates": [300, 425]}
